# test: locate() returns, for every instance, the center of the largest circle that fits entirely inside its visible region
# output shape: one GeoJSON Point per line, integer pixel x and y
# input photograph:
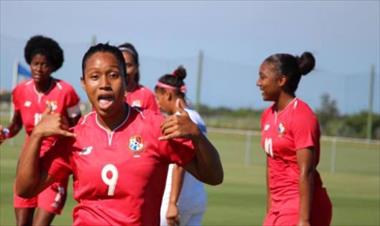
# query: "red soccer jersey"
{"type": "Point", "coordinates": [119, 177]}
{"type": "Point", "coordinates": [31, 104]}
{"type": "Point", "coordinates": [143, 98]}
{"type": "Point", "coordinates": [283, 134]}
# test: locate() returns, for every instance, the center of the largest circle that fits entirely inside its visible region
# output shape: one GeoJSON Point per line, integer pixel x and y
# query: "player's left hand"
{"type": "Point", "coordinates": [179, 124]}
{"type": "Point", "coordinates": [303, 223]}
{"type": "Point", "coordinates": [172, 215]}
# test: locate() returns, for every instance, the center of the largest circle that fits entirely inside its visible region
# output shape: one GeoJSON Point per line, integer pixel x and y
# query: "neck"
{"type": "Point", "coordinates": [44, 86]}
{"type": "Point", "coordinates": [283, 101]}
{"type": "Point", "coordinates": [132, 85]}
{"type": "Point", "coordinates": [111, 122]}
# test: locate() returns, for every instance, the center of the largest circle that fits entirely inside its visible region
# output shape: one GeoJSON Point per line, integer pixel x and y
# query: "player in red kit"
{"type": "Point", "coordinates": [136, 95]}
{"type": "Point", "coordinates": [118, 155]}
{"type": "Point", "coordinates": [290, 138]}
{"type": "Point", "coordinates": [30, 99]}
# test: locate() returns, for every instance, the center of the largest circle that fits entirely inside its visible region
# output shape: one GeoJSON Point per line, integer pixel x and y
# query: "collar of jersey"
{"type": "Point", "coordinates": [117, 127]}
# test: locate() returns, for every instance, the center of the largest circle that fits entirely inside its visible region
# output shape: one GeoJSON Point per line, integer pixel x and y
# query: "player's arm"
{"type": "Point", "coordinates": [305, 161]}
{"type": "Point", "coordinates": [269, 199]}
{"type": "Point", "coordinates": [30, 177]}
{"type": "Point", "coordinates": [206, 165]}
{"type": "Point", "coordinates": [172, 215]}
{"type": "Point", "coordinates": [13, 128]}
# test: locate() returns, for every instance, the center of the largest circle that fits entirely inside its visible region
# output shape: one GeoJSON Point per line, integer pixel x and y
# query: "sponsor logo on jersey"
{"type": "Point", "coordinates": [52, 104]}
{"type": "Point", "coordinates": [86, 150]}
{"type": "Point", "coordinates": [136, 144]}
{"type": "Point", "coordinates": [28, 103]}
{"type": "Point", "coordinates": [281, 129]}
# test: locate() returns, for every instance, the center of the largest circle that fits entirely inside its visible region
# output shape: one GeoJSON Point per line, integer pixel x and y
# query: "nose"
{"type": "Point", "coordinates": [104, 82]}
{"type": "Point", "coordinates": [258, 82]}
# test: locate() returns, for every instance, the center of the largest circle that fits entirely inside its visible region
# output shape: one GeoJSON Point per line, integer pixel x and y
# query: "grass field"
{"type": "Point", "coordinates": [354, 187]}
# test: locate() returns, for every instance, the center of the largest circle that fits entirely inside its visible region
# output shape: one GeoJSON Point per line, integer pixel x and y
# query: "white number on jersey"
{"type": "Point", "coordinates": [37, 118]}
{"type": "Point", "coordinates": [268, 146]}
{"type": "Point", "coordinates": [111, 182]}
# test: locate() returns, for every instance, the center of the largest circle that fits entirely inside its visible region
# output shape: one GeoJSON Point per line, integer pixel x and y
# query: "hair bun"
{"type": "Point", "coordinates": [180, 72]}
{"type": "Point", "coordinates": [306, 63]}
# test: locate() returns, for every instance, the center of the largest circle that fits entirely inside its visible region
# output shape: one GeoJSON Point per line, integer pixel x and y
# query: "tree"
{"type": "Point", "coordinates": [327, 111]}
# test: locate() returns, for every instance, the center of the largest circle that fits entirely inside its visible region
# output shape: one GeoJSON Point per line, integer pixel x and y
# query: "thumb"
{"type": "Point", "coordinates": [180, 106]}
{"type": "Point", "coordinates": [48, 110]}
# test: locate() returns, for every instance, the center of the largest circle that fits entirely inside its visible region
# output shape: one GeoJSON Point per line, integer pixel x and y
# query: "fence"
{"type": "Point", "coordinates": [337, 153]}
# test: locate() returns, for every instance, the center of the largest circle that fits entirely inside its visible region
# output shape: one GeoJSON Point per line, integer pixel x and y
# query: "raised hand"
{"type": "Point", "coordinates": [3, 133]}
{"type": "Point", "coordinates": [179, 124]}
{"type": "Point", "coordinates": [52, 124]}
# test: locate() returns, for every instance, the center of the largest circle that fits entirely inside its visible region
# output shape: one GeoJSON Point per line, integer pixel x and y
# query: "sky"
{"type": "Point", "coordinates": [234, 36]}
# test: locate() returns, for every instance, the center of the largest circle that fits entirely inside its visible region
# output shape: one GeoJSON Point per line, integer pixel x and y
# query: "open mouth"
{"type": "Point", "coordinates": [105, 101]}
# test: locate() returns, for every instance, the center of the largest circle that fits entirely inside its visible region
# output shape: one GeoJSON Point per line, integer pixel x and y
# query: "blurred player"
{"type": "Point", "coordinates": [30, 99]}
{"type": "Point", "coordinates": [184, 201]}
{"type": "Point", "coordinates": [290, 138]}
{"type": "Point", "coordinates": [136, 95]}
{"type": "Point", "coordinates": [117, 154]}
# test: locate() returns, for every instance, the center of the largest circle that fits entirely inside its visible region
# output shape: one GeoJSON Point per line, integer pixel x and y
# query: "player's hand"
{"type": "Point", "coordinates": [179, 124]}
{"type": "Point", "coordinates": [3, 134]}
{"type": "Point", "coordinates": [52, 124]}
{"type": "Point", "coordinates": [303, 223]}
{"type": "Point", "coordinates": [172, 215]}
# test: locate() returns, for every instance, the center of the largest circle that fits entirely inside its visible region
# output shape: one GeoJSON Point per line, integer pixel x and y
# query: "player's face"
{"type": "Point", "coordinates": [131, 66]}
{"type": "Point", "coordinates": [40, 69]}
{"type": "Point", "coordinates": [269, 82]}
{"type": "Point", "coordinates": [104, 83]}
{"type": "Point", "coordinates": [162, 100]}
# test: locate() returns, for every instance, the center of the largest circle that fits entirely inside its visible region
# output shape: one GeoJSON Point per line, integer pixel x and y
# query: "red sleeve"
{"type": "Point", "coordinates": [72, 97]}
{"type": "Point", "coordinates": [305, 129]}
{"type": "Point", "coordinates": [56, 161]}
{"type": "Point", "coordinates": [15, 99]}
{"type": "Point", "coordinates": [152, 104]}
{"type": "Point", "coordinates": [179, 151]}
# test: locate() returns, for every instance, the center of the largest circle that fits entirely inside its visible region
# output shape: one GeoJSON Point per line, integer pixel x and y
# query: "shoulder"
{"type": "Point", "coordinates": [145, 90]}
{"type": "Point", "coordinates": [147, 115]}
{"type": "Point", "coordinates": [302, 109]}
{"type": "Point", "coordinates": [24, 85]}
{"type": "Point", "coordinates": [85, 121]}
{"type": "Point", "coordinates": [64, 86]}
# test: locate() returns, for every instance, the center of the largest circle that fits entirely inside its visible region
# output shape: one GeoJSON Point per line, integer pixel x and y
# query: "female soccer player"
{"type": "Point", "coordinates": [184, 200]}
{"type": "Point", "coordinates": [30, 99]}
{"type": "Point", "coordinates": [290, 138]}
{"type": "Point", "coordinates": [118, 155]}
{"type": "Point", "coordinates": [136, 95]}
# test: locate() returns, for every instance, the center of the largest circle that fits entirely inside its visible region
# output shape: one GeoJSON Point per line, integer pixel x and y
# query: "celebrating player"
{"type": "Point", "coordinates": [136, 94]}
{"type": "Point", "coordinates": [184, 200]}
{"type": "Point", "coordinates": [290, 138]}
{"type": "Point", "coordinates": [30, 99]}
{"type": "Point", "coordinates": [117, 154]}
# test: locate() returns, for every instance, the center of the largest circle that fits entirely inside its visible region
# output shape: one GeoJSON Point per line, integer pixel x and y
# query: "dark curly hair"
{"type": "Point", "coordinates": [45, 46]}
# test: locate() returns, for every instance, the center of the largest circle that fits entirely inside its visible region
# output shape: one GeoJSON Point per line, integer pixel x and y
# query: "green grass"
{"type": "Point", "coordinates": [354, 187]}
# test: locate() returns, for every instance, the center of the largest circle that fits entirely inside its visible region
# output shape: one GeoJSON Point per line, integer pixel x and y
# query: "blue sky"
{"type": "Point", "coordinates": [235, 37]}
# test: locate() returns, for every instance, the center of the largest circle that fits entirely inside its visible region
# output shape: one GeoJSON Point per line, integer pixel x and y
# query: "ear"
{"type": "Point", "coordinates": [82, 83]}
{"type": "Point", "coordinates": [168, 95]}
{"type": "Point", "coordinates": [282, 80]}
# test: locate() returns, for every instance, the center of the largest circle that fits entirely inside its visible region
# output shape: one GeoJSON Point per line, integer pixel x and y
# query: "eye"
{"type": "Point", "coordinates": [113, 74]}
{"type": "Point", "coordinates": [94, 76]}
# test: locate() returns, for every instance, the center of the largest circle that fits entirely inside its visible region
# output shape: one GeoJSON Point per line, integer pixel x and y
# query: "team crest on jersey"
{"type": "Point", "coordinates": [281, 129]}
{"type": "Point", "coordinates": [136, 144]}
{"type": "Point", "coordinates": [52, 104]}
{"type": "Point", "coordinates": [28, 103]}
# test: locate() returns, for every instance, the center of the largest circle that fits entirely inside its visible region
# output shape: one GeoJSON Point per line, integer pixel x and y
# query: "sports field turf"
{"type": "Point", "coordinates": [354, 187]}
